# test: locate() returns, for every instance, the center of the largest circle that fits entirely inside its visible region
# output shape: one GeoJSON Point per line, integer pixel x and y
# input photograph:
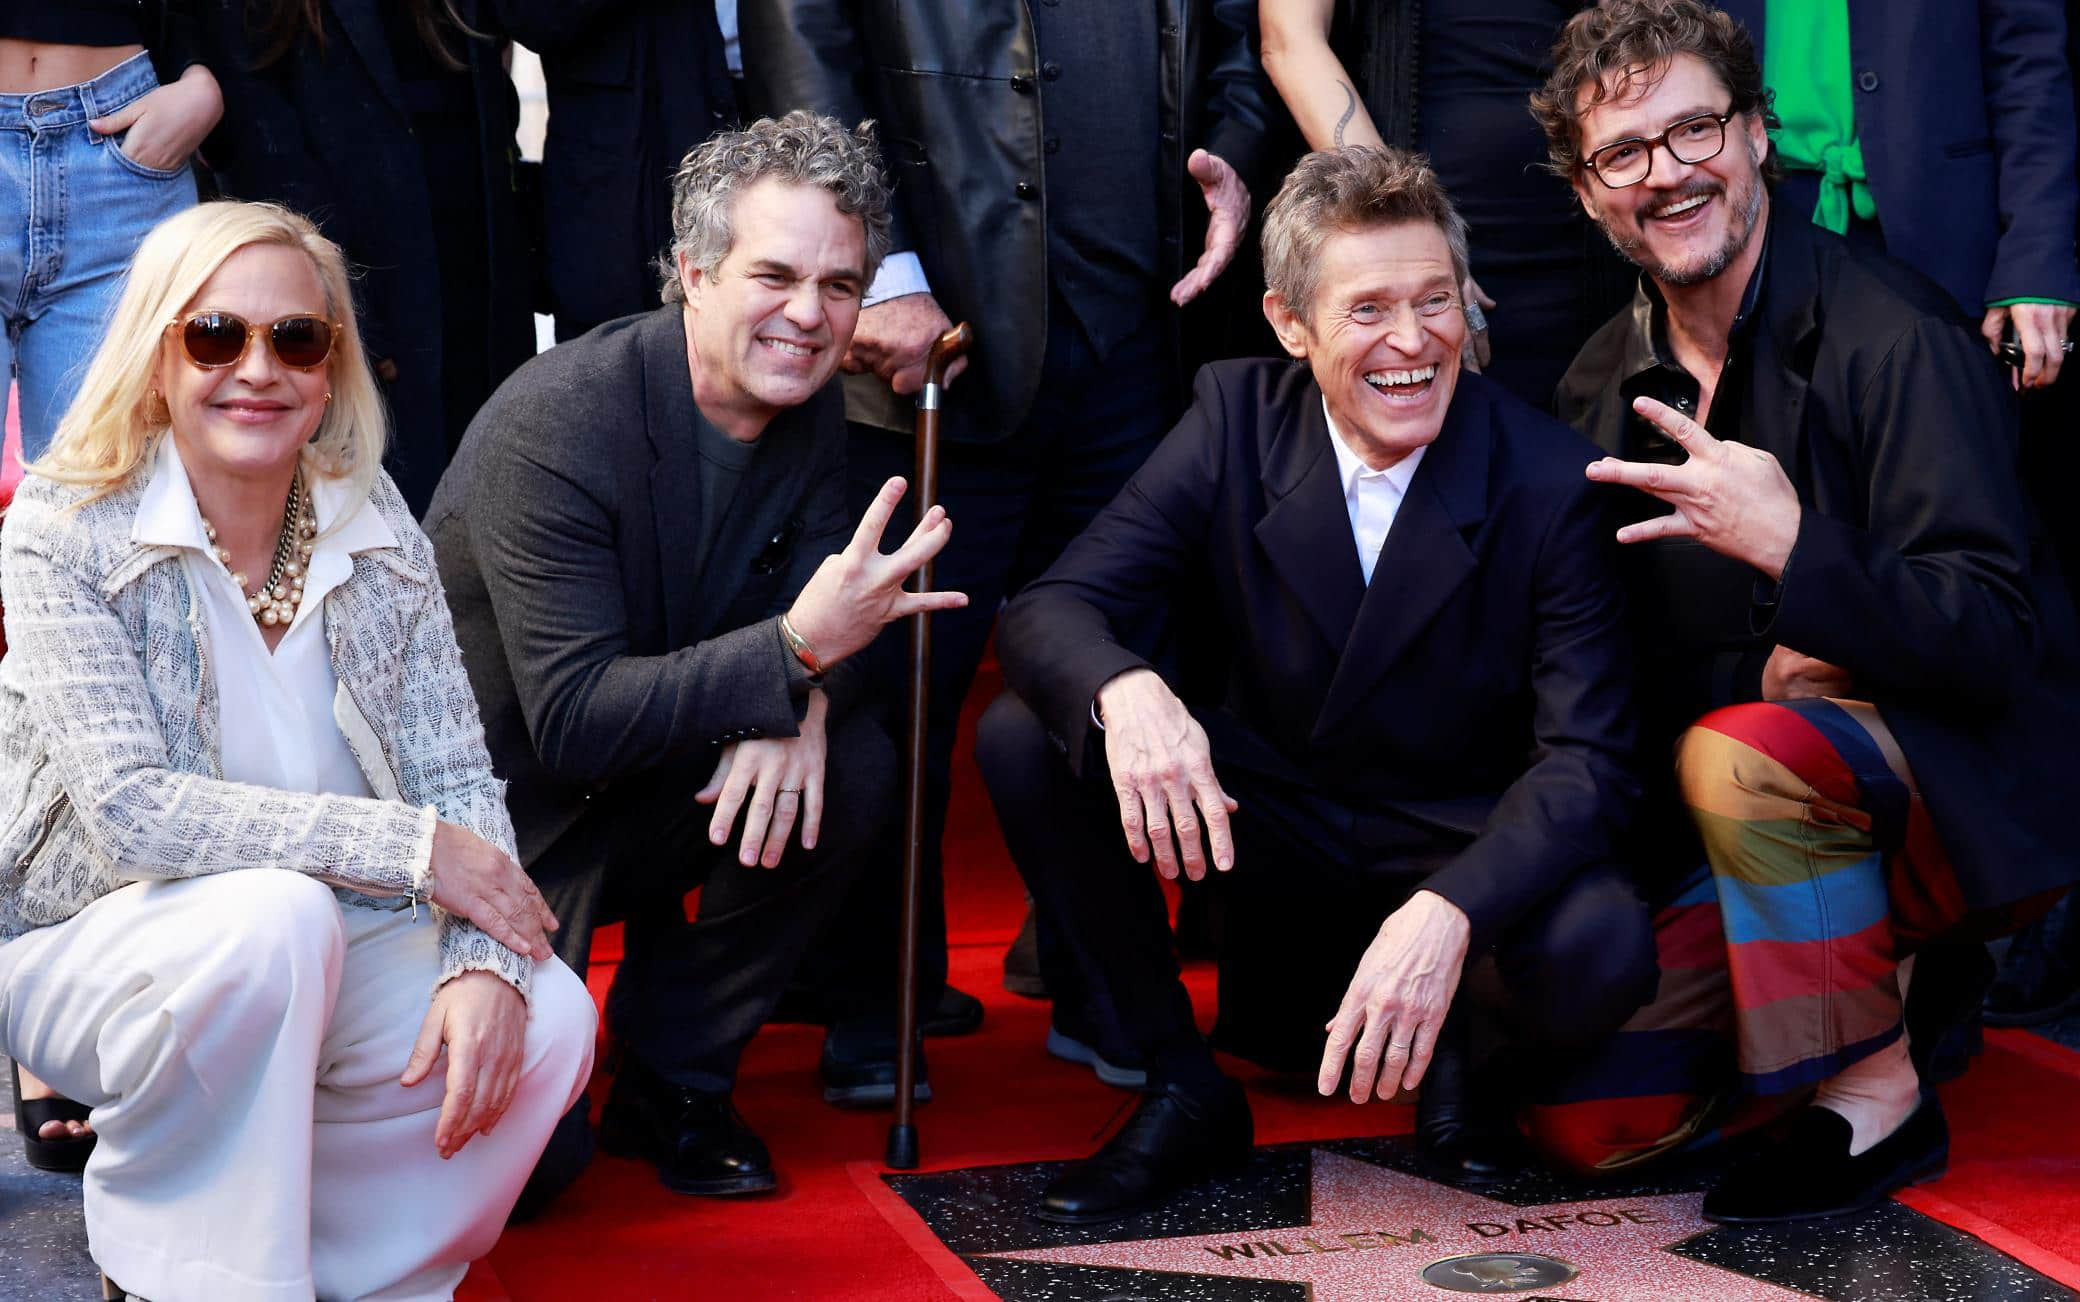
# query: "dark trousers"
{"type": "Point", "coordinates": [690, 994]}
{"type": "Point", "coordinates": [1015, 505]}
{"type": "Point", "coordinates": [1314, 878]}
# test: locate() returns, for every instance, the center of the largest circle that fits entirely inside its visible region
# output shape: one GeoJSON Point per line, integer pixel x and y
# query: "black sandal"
{"type": "Point", "coordinates": [32, 1115]}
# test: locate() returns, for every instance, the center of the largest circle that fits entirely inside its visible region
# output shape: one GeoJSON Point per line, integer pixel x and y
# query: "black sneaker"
{"type": "Point", "coordinates": [858, 1069]}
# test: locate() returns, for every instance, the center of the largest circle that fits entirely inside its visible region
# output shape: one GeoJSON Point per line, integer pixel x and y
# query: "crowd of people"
{"type": "Point", "coordinates": [1588, 656]}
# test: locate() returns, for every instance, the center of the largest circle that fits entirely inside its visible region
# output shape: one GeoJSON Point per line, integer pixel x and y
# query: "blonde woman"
{"type": "Point", "coordinates": [258, 906]}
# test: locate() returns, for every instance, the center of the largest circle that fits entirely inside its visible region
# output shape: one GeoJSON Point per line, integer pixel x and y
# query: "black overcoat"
{"type": "Point", "coordinates": [1481, 684]}
{"type": "Point", "coordinates": [325, 130]}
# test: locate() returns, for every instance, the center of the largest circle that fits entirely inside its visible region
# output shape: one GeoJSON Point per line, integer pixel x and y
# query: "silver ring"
{"type": "Point", "coordinates": [790, 791]}
{"type": "Point", "coordinates": [1476, 318]}
{"type": "Point", "coordinates": [2065, 345]}
{"type": "Point", "coordinates": [1402, 1045]}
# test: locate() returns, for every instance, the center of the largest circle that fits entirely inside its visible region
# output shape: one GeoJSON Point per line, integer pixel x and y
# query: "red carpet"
{"type": "Point", "coordinates": [2014, 1178]}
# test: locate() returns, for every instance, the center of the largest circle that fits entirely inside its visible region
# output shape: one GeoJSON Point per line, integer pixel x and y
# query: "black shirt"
{"type": "Point", "coordinates": [1698, 612]}
{"type": "Point", "coordinates": [165, 27]}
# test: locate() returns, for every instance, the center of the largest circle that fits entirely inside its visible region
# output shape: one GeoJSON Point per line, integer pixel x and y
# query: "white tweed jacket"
{"type": "Point", "coordinates": [109, 755]}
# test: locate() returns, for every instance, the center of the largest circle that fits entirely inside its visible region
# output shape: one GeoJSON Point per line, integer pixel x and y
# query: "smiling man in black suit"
{"type": "Point", "coordinates": [641, 541]}
{"type": "Point", "coordinates": [1422, 754]}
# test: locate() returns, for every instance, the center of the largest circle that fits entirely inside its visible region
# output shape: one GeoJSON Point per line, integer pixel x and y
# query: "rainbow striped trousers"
{"type": "Point", "coordinates": [1780, 959]}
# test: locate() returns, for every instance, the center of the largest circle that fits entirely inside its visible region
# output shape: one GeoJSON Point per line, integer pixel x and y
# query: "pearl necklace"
{"type": "Point", "coordinates": [275, 601]}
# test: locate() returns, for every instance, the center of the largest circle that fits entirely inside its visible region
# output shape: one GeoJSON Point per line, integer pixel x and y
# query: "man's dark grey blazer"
{"type": "Point", "coordinates": [566, 528]}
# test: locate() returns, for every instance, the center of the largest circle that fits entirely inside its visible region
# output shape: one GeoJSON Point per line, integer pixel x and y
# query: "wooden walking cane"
{"type": "Point", "coordinates": [902, 1134]}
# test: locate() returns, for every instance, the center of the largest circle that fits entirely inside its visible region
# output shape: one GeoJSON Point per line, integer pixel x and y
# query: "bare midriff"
{"type": "Point", "coordinates": [30, 66]}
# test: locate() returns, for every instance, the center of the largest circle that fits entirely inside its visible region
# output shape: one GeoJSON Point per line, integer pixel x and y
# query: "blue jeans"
{"type": "Point", "coordinates": [73, 207]}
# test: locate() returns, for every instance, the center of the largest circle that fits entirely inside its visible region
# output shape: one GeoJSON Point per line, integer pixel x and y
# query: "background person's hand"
{"type": "Point", "coordinates": [895, 336]}
{"type": "Point", "coordinates": [1791, 676]}
{"type": "Point", "coordinates": [1734, 499]}
{"type": "Point", "coordinates": [784, 778]}
{"type": "Point", "coordinates": [1397, 1000]}
{"type": "Point", "coordinates": [483, 1023]}
{"type": "Point", "coordinates": [2041, 329]}
{"type": "Point", "coordinates": [1477, 351]}
{"type": "Point", "coordinates": [474, 879]}
{"type": "Point", "coordinates": [1162, 773]}
{"type": "Point", "coordinates": [167, 125]}
{"type": "Point", "coordinates": [852, 594]}
{"type": "Point", "coordinates": [1227, 203]}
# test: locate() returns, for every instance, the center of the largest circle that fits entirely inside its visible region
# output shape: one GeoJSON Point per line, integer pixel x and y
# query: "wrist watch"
{"type": "Point", "coordinates": [801, 648]}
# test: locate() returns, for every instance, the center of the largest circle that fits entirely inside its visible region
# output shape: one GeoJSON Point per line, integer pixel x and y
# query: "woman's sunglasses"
{"type": "Point", "coordinates": [218, 339]}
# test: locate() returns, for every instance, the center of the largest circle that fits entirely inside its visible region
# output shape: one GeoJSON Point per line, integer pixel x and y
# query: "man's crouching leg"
{"type": "Point", "coordinates": [690, 994]}
{"type": "Point", "coordinates": [1064, 835]}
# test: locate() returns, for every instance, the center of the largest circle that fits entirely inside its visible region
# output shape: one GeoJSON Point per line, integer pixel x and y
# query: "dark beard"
{"type": "Point", "coordinates": [1634, 250]}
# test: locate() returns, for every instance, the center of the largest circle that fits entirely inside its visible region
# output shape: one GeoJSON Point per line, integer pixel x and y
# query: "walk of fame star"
{"type": "Point", "coordinates": [1374, 1230]}
{"type": "Point", "coordinates": [1352, 1218]}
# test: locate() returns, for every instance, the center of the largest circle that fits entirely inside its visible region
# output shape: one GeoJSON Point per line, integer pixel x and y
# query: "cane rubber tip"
{"type": "Point", "coordinates": [902, 1148]}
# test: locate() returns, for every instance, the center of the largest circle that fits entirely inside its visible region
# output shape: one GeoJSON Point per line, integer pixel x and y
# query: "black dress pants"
{"type": "Point", "coordinates": [1015, 505]}
{"type": "Point", "coordinates": [689, 995]}
{"type": "Point", "coordinates": [1313, 880]}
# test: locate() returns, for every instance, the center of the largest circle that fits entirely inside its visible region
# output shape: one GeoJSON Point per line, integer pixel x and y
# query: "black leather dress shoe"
{"type": "Point", "coordinates": [699, 1143]}
{"type": "Point", "coordinates": [956, 1013]}
{"type": "Point", "coordinates": [858, 1069]}
{"type": "Point", "coordinates": [1809, 1174]}
{"type": "Point", "coordinates": [1464, 1133]}
{"type": "Point", "coordinates": [1169, 1142]}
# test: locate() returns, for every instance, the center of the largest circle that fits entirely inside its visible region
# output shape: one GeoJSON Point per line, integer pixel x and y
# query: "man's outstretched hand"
{"type": "Point", "coordinates": [855, 592]}
{"type": "Point", "coordinates": [1162, 772]}
{"type": "Point", "coordinates": [1734, 499]}
{"type": "Point", "coordinates": [1227, 208]}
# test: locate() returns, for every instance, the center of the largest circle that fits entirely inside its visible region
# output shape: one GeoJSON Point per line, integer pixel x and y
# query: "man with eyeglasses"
{"type": "Point", "coordinates": [1865, 680]}
{"type": "Point", "coordinates": [1419, 768]}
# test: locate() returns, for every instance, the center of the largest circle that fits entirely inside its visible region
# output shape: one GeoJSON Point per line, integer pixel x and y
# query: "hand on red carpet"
{"type": "Point", "coordinates": [483, 1023]}
{"type": "Point", "coordinates": [476, 880]}
{"type": "Point", "coordinates": [1162, 772]}
{"type": "Point", "coordinates": [855, 592]}
{"type": "Point", "coordinates": [1790, 676]}
{"type": "Point", "coordinates": [784, 778]}
{"type": "Point", "coordinates": [1397, 1000]}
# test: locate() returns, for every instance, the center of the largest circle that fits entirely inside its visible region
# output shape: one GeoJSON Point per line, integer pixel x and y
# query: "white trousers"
{"type": "Point", "coordinates": [239, 1038]}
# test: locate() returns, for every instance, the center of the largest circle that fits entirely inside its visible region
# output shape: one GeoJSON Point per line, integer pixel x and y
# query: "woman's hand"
{"type": "Point", "coordinates": [168, 124]}
{"type": "Point", "coordinates": [474, 879]}
{"type": "Point", "coordinates": [483, 1023]}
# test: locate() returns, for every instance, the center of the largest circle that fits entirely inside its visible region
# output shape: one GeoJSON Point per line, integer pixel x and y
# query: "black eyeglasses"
{"type": "Point", "coordinates": [1696, 139]}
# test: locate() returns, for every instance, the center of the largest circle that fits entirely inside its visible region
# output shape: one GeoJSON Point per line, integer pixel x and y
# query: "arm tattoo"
{"type": "Point", "coordinates": [1350, 110]}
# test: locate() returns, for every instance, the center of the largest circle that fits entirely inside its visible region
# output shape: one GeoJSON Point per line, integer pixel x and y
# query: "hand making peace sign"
{"type": "Point", "coordinates": [1734, 499]}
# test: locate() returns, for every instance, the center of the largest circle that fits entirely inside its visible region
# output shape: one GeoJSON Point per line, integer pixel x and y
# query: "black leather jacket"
{"type": "Point", "coordinates": [952, 84]}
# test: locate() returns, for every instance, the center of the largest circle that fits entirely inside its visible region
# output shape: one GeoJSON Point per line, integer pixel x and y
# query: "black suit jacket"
{"type": "Point", "coordinates": [1917, 567]}
{"type": "Point", "coordinates": [1480, 684]}
{"type": "Point", "coordinates": [633, 85]}
{"type": "Point", "coordinates": [563, 529]}
{"type": "Point", "coordinates": [1964, 112]}
{"type": "Point", "coordinates": [951, 84]}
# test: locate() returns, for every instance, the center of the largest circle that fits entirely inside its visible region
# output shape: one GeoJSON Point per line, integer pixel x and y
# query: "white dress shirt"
{"type": "Point", "coordinates": [274, 708]}
{"type": "Point", "coordinates": [1373, 497]}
